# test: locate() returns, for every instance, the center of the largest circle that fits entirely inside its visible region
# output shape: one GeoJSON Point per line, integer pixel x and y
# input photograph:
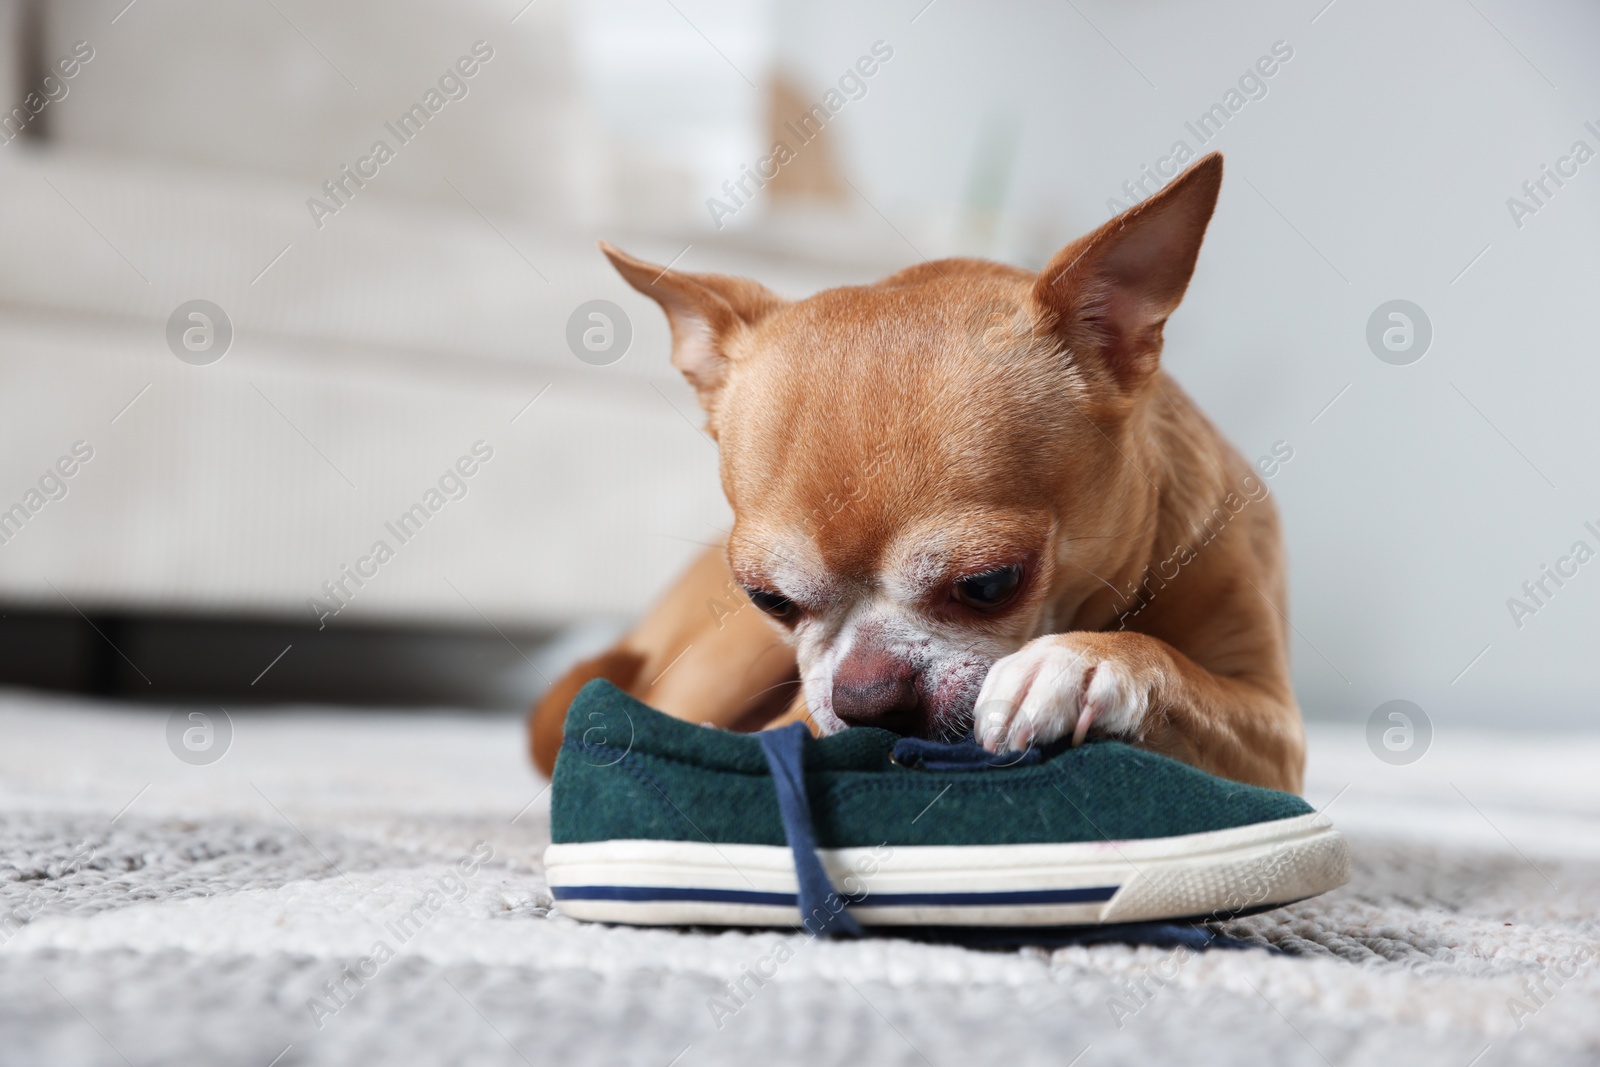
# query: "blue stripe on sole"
{"type": "Point", "coordinates": [1084, 895]}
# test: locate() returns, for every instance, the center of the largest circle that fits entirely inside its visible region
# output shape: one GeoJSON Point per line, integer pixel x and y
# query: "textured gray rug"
{"type": "Point", "coordinates": [350, 887]}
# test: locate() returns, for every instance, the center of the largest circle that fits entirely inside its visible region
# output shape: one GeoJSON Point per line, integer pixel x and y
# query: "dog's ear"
{"type": "Point", "coordinates": [703, 310]}
{"type": "Point", "coordinates": [1108, 294]}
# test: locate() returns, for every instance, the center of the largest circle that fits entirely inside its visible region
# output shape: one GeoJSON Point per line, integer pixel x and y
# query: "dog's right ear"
{"type": "Point", "coordinates": [704, 310]}
{"type": "Point", "coordinates": [1109, 293]}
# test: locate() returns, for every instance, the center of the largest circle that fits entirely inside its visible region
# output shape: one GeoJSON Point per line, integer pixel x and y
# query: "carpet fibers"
{"type": "Point", "coordinates": [366, 887]}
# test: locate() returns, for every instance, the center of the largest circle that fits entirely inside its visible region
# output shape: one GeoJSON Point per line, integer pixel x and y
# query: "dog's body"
{"type": "Point", "coordinates": [969, 498]}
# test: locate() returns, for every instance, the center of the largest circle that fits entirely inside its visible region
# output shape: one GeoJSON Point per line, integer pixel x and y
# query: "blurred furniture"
{"type": "Point", "coordinates": [371, 347]}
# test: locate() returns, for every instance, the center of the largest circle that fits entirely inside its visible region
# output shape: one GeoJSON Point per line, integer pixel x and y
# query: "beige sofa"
{"type": "Point", "coordinates": [372, 347]}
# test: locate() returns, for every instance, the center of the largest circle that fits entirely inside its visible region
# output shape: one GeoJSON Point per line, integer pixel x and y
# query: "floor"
{"type": "Point", "coordinates": [248, 910]}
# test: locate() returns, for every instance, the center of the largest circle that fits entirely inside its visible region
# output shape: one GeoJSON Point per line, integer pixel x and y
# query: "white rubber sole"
{"type": "Point", "coordinates": [1221, 872]}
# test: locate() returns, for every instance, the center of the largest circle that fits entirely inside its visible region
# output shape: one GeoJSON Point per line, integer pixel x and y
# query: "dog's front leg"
{"type": "Point", "coordinates": [1139, 689]}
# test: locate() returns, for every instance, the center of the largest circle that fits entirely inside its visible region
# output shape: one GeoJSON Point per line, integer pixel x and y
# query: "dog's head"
{"type": "Point", "coordinates": [928, 472]}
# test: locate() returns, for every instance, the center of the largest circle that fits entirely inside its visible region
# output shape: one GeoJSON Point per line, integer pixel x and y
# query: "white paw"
{"type": "Point", "coordinates": [1059, 686]}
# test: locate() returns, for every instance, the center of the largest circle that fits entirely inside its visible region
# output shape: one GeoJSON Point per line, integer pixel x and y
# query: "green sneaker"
{"type": "Point", "coordinates": [658, 821]}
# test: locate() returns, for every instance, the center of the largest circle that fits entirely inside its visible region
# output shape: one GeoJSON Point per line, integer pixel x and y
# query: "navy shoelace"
{"type": "Point", "coordinates": [823, 909]}
{"type": "Point", "coordinates": [963, 755]}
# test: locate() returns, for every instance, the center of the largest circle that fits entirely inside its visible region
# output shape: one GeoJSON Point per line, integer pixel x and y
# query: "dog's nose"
{"type": "Point", "coordinates": [876, 688]}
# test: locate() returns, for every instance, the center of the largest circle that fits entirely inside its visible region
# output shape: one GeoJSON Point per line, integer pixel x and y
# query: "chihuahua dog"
{"type": "Point", "coordinates": [967, 497]}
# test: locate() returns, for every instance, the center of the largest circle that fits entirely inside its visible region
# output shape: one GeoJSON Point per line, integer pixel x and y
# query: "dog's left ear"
{"type": "Point", "coordinates": [1108, 294]}
{"type": "Point", "coordinates": [704, 310]}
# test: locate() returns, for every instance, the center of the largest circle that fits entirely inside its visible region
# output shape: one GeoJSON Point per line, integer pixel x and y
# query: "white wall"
{"type": "Point", "coordinates": [1391, 142]}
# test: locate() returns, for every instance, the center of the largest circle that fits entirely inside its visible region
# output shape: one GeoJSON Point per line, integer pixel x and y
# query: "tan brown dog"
{"type": "Point", "coordinates": [968, 496]}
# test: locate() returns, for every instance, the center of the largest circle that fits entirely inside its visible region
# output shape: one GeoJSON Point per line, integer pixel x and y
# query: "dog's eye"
{"type": "Point", "coordinates": [989, 589]}
{"type": "Point", "coordinates": [775, 604]}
